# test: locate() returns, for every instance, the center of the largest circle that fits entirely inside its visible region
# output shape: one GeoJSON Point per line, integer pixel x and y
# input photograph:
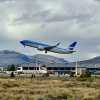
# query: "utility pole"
{"type": "Point", "coordinates": [77, 64]}
{"type": "Point", "coordinates": [76, 68]}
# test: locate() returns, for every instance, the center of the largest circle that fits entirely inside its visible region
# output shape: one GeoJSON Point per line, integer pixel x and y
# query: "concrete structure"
{"type": "Point", "coordinates": [57, 68]}
{"type": "Point", "coordinates": [31, 68]}
{"type": "Point", "coordinates": [60, 68]}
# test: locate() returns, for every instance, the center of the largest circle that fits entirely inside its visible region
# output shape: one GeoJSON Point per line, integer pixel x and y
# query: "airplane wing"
{"type": "Point", "coordinates": [48, 48]}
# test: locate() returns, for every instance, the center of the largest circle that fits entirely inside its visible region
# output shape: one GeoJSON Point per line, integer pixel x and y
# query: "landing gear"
{"type": "Point", "coordinates": [46, 51]}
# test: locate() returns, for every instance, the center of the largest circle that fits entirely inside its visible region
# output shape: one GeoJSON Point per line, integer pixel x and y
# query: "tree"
{"type": "Point", "coordinates": [11, 68]}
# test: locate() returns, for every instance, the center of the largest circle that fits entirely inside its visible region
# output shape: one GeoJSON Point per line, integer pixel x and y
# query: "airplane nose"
{"type": "Point", "coordinates": [22, 42]}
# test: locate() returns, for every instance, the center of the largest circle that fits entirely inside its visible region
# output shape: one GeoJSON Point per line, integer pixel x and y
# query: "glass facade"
{"type": "Point", "coordinates": [25, 68]}
{"type": "Point", "coordinates": [61, 68]}
{"type": "Point", "coordinates": [30, 68]}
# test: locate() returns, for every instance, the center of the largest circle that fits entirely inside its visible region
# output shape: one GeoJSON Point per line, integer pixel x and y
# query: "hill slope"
{"type": "Point", "coordinates": [94, 62]}
{"type": "Point", "coordinates": [12, 57]}
{"type": "Point", "coordinates": [46, 59]}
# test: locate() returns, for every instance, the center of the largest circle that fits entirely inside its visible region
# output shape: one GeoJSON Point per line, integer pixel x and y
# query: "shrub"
{"type": "Point", "coordinates": [86, 74]}
{"type": "Point", "coordinates": [72, 74]}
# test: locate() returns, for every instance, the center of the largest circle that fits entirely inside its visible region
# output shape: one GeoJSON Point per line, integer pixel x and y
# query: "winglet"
{"type": "Point", "coordinates": [58, 44]}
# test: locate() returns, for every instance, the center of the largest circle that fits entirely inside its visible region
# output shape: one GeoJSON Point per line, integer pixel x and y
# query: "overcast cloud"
{"type": "Point", "coordinates": [51, 21]}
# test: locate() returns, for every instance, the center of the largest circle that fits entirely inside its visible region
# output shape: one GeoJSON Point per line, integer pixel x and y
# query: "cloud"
{"type": "Point", "coordinates": [52, 21]}
{"type": "Point", "coordinates": [51, 11]}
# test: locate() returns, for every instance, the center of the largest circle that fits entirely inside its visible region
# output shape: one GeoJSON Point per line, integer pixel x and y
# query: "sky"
{"type": "Point", "coordinates": [51, 21]}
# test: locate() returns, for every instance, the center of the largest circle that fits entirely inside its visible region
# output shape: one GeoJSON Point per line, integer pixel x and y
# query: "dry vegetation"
{"type": "Point", "coordinates": [49, 89]}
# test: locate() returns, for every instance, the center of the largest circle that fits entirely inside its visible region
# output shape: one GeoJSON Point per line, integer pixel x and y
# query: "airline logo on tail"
{"type": "Point", "coordinates": [72, 46]}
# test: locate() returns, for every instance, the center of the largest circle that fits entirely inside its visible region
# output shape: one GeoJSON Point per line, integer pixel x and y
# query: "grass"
{"type": "Point", "coordinates": [49, 89]}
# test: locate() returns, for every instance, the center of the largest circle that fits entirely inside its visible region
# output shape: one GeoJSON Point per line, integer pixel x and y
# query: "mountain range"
{"type": "Point", "coordinates": [12, 57]}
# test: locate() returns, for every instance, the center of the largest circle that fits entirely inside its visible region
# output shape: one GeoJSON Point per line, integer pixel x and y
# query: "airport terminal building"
{"type": "Point", "coordinates": [55, 68]}
{"type": "Point", "coordinates": [58, 68]}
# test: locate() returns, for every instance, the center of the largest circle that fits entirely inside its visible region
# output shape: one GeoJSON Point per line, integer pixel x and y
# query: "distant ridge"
{"type": "Point", "coordinates": [12, 57]}
{"type": "Point", "coordinates": [95, 60]}
{"type": "Point", "coordinates": [46, 59]}
{"type": "Point", "coordinates": [90, 63]}
{"type": "Point", "coordinates": [8, 57]}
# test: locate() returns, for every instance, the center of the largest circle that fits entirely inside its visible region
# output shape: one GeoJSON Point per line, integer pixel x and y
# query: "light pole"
{"type": "Point", "coordinates": [76, 62]}
{"type": "Point", "coordinates": [76, 68]}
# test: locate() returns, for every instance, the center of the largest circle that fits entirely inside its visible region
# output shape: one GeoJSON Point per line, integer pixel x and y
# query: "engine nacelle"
{"type": "Point", "coordinates": [41, 48]}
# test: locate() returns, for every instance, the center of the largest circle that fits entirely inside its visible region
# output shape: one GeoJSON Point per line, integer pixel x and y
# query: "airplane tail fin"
{"type": "Point", "coordinates": [72, 46]}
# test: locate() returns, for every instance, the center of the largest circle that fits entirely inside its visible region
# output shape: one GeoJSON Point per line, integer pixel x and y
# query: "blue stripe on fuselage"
{"type": "Point", "coordinates": [33, 44]}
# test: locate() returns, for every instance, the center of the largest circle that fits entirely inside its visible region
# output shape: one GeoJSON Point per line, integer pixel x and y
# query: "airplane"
{"type": "Point", "coordinates": [45, 47]}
